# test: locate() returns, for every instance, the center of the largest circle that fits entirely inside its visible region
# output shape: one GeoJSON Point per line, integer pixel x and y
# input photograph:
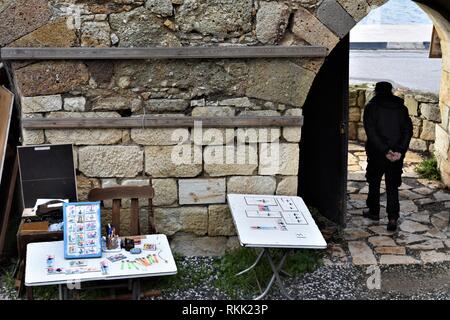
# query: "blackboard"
{"type": "Point", "coordinates": [47, 172]}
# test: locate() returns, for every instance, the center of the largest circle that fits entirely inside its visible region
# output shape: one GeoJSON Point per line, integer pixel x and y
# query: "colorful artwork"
{"type": "Point", "coordinates": [82, 223]}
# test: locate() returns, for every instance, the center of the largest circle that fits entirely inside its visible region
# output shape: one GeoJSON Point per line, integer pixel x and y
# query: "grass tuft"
{"type": "Point", "coordinates": [234, 261]}
{"type": "Point", "coordinates": [428, 169]}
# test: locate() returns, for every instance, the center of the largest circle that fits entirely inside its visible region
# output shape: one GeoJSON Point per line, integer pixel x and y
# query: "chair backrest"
{"type": "Point", "coordinates": [116, 194]}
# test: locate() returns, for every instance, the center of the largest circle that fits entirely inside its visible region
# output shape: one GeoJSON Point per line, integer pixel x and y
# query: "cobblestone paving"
{"type": "Point", "coordinates": [423, 235]}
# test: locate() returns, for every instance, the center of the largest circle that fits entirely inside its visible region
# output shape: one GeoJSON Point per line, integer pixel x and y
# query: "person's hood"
{"type": "Point", "coordinates": [388, 101]}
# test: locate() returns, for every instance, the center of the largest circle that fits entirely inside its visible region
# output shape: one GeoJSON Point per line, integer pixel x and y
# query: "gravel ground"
{"type": "Point", "coordinates": [335, 282]}
{"type": "Point", "coordinates": [343, 282]}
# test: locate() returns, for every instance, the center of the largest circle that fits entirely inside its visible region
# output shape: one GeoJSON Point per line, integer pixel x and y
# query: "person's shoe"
{"type": "Point", "coordinates": [392, 225]}
{"type": "Point", "coordinates": [369, 215]}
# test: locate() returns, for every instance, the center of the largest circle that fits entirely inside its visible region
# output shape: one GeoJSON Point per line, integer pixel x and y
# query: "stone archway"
{"type": "Point", "coordinates": [334, 19]}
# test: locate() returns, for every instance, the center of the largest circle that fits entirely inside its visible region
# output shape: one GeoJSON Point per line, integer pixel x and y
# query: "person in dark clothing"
{"type": "Point", "coordinates": [389, 131]}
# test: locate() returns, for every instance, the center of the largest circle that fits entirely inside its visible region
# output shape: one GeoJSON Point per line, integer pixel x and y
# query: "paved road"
{"type": "Point", "coordinates": [406, 69]}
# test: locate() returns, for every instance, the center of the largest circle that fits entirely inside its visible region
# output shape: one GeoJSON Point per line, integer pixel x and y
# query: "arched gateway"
{"type": "Point", "coordinates": [122, 108]}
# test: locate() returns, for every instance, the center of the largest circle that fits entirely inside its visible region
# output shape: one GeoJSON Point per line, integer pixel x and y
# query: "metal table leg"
{"type": "Point", "coordinates": [254, 264]}
{"type": "Point", "coordinates": [60, 292]}
{"type": "Point", "coordinates": [276, 273]}
{"type": "Point", "coordinates": [136, 293]}
{"type": "Point", "coordinates": [276, 276]}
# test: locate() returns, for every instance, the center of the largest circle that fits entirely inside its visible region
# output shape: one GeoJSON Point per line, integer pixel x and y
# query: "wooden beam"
{"type": "Point", "coordinates": [162, 122]}
{"type": "Point", "coordinates": [229, 52]}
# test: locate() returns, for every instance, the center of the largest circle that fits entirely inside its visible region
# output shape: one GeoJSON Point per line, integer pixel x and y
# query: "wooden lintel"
{"type": "Point", "coordinates": [223, 52]}
{"type": "Point", "coordinates": [162, 122]}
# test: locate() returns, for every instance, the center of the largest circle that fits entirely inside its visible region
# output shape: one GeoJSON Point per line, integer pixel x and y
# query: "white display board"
{"type": "Point", "coordinates": [274, 222]}
{"type": "Point", "coordinates": [36, 273]}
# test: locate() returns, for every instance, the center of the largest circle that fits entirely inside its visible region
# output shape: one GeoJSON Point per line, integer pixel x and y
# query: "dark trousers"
{"type": "Point", "coordinates": [377, 167]}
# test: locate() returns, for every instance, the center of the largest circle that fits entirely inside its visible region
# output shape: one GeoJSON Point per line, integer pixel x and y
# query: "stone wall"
{"type": "Point", "coordinates": [190, 88]}
{"type": "Point", "coordinates": [423, 110]}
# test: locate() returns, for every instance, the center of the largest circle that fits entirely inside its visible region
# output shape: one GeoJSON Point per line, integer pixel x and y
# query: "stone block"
{"type": "Point", "coordinates": [176, 161]}
{"type": "Point", "coordinates": [159, 137]}
{"type": "Point", "coordinates": [331, 14]}
{"type": "Point", "coordinates": [251, 185]}
{"type": "Point", "coordinates": [278, 158]}
{"type": "Point", "coordinates": [418, 145]}
{"type": "Point", "coordinates": [255, 135]}
{"type": "Point", "coordinates": [41, 104]}
{"type": "Point", "coordinates": [53, 34]}
{"type": "Point", "coordinates": [166, 105]}
{"type": "Point", "coordinates": [287, 186]}
{"type": "Point", "coordinates": [412, 104]}
{"type": "Point", "coordinates": [76, 104]}
{"type": "Point", "coordinates": [166, 192]}
{"type": "Point", "coordinates": [220, 221]}
{"type": "Point", "coordinates": [279, 81]}
{"type": "Point", "coordinates": [243, 102]}
{"type": "Point", "coordinates": [95, 34]}
{"type": "Point", "coordinates": [213, 112]}
{"type": "Point", "coordinates": [110, 161]}
{"type": "Point", "coordinates": [442, 143]}
{"type": "Point", "coordinates": [307, 27]}
{"type": "Point", "coordinates": [22, 17]}
{"type": "Point", "coordinates": [361, 253]}
{"type": "Point", "coordinates": [182, 219]}
{"type": "Point", "coordinates": [428, 131]}
{"type": "Point", "coordinates": [271, 21]}
{"type": "Point", "coordinates": [216, 17]}
{"type": "Point", "coordinates": [358, 9]}
{"type": "Point", "coordinates": [292, 134]}
{"type": "Point", "coordinates": [84, 185]}
{"type": "Point", "coordinates": [114, 103]}
{"type": "Point", "coordinates": [430, 112]}
{"type": "Point", "coordinates": [141, 28]}
{"type": "Point", "coordinates": [212, 136]}
{"type": "Point", "coordinates": [201, 191]}
{"type": "Point", "coordinates": [230, 160]}
{"type": "Point", "coordinates": [32, 137]}
{"type": "Point", "coordinates": [83, 136]}
{"type": "Point", "coordinates": [160, 7]}
{"type": "Point", "coordinates": [48, 78]}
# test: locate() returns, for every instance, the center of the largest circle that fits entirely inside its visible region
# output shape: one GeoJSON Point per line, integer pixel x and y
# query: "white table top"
{"type": "Point", "coordinates": [274, 222]}
{"type": "Point", "coordinates": [36, 264]}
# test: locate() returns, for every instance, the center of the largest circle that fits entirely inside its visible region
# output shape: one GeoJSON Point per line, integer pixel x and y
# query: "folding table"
{"type": "Point", "coordinates": [36, 273]}
{"type": "Point", "coordinates": [274, 222]}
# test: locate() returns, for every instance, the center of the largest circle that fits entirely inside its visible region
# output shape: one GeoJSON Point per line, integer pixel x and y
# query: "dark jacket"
{"type": "Point", "coordinates": [388, 125]}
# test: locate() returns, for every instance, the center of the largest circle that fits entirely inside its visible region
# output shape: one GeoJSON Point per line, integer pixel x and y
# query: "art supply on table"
{"type": "Point", "coordinates": [117, 257]}
{"type": "Point", "coordinates": [104, 266]}
{"type": "Point", "coordinates": [78, 263]}
{"type": "Point", "coordinates": [149, 247]}
{"type": "Point", "coordinates": [135, 251]}
{"type": "Point", "coordinates": [50, 261]}
{"type": "Point", "coordinates": [129, 244]}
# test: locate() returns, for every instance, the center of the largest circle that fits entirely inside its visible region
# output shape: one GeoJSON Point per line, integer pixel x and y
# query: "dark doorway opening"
{"type": "Point", "coordinates": [324, 144]}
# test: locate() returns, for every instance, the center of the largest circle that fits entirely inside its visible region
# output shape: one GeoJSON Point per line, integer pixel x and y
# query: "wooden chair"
{"type": "Point", "coordinates": [116, 194]}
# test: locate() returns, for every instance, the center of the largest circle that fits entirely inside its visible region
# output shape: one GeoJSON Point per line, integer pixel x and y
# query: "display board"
{"type": "Point", "coordinates": [6, 107]}
{"type": "Point", "coordinates": [82, 230]}
{"type": "Point", "coordinates": [46, 264]}
{"type": "Point", "coordinates": [47, 172]}
{"type": "Point", "coordinates": [274, 221]}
